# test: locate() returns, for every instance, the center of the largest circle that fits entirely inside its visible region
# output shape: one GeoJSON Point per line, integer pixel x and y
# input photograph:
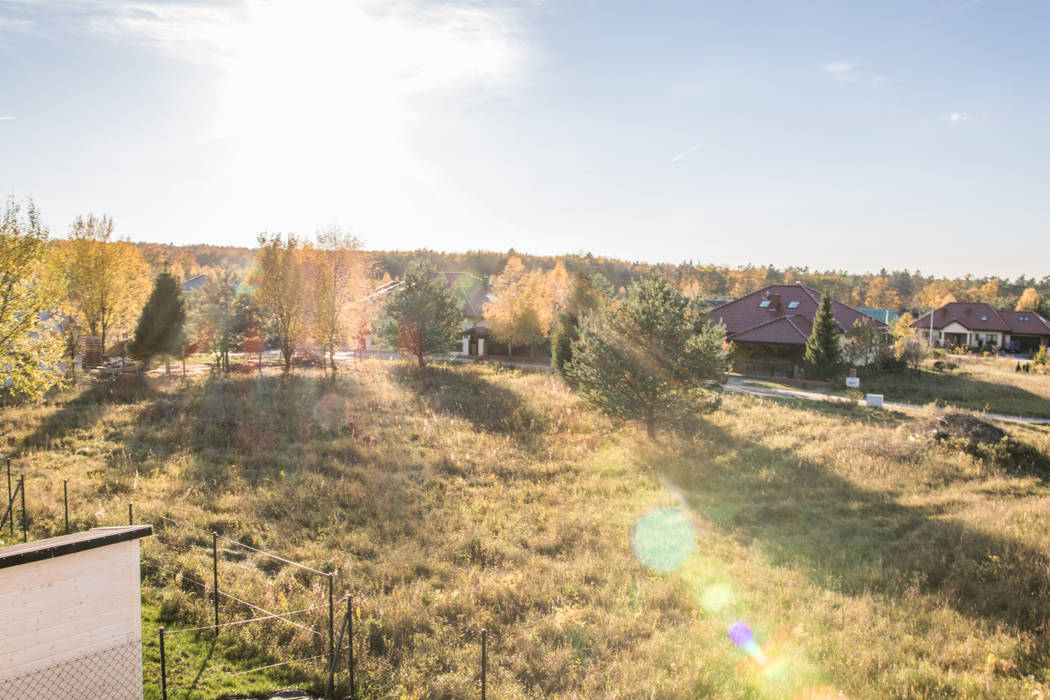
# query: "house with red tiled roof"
{"type": "Point", "coordinates": [975, 324]}
{"type": "Point", "coordinates": [777, 321]}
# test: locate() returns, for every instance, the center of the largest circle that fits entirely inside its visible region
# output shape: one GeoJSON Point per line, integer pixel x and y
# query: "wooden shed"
{"type": "Point", "coordinates": [72, 617]}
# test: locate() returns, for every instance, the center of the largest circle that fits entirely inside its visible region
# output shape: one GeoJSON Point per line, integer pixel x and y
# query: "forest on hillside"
{"type": "Point", "coordinates": [900, 290]}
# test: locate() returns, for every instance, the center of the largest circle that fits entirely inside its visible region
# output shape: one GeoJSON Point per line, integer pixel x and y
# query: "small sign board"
{"type": "Point", "coordinates": [874, 400]}
{"type": "Point", "coordinates": [853, 382]}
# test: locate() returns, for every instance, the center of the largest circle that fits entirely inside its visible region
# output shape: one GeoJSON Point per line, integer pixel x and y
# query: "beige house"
{"type": "Point", "coordinates": [975, 324]}
{"type": "Point", "coordinates": [72, 619]}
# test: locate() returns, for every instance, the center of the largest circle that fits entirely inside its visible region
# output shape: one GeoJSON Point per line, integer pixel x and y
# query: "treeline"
{"type": "Point", "coordinates": [900, 290]}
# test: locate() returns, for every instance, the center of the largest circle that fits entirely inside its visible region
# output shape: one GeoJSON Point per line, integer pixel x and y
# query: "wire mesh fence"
{"type": "Point", "coordinates": [297, 620]}
{"type": "Point", "coordinates": [114, 672]}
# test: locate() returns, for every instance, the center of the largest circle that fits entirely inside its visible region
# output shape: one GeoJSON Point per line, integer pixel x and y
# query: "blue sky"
{"type": "Point", "coordinates": [825, 134]}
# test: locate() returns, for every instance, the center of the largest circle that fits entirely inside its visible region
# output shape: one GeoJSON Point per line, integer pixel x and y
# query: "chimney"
{"type": "Point", "coordinates": [774, 302]}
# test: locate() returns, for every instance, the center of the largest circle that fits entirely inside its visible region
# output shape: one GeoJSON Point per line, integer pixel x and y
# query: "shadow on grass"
{"type": "Point", "coordinates": [84, 410]}
{"type": "Point", "coordinates": [958, 389]}
{"type": "Point", "coordinates": [854, 540]}
{"type": "Point", "coordinates": [464, 393]}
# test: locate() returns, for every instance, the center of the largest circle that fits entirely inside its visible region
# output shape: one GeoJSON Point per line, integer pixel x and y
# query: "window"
{"type": "Point", "coordinates": [764, 304]}
{"type": "Point", "coordinates": [792, 304]}
{"type": "Point", "coordinates": [1022, 318]}
{"type": "Point", "coordinates": [984, 318]}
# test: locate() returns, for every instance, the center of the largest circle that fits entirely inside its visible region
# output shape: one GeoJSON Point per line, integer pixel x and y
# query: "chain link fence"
{"type": "Point", "coordinates": [108, 674]}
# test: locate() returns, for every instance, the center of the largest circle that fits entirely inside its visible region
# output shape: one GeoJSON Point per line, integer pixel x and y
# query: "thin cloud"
{"type": "Point", "coordinates": [843, 71]}
{"type": "Point", "coordinates": [958, 117]}
{"type": "Point", "coordinates": [686, 152]}
{"type": "Point", "coordinates": [3, 119]}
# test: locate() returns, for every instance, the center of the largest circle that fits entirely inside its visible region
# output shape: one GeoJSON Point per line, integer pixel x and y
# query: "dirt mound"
{"type": "Point", "coordinates": [986, 442]}
{"type": "Point", "coordinates": [962, 426]}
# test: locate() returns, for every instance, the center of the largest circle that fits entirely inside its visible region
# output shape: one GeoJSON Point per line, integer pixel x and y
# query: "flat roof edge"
{"type": "Point", "coordinates": [28, 552]}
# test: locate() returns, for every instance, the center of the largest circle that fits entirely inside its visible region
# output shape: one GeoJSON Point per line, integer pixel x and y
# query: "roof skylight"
{"type": "Point", "coordinates": [764, 304]}
{"type": "Point", "coordinates": [792, 304]}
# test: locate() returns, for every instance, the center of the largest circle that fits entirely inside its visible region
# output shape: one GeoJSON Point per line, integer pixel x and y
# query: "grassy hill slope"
{"type": "Point", "coordinates": [862, 559]}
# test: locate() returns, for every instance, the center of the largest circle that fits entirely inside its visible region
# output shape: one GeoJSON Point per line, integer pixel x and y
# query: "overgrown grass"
{"type": "Point", "coordinates": [865, 560]}
{"type": "Point", "coordinates": [980, 384]}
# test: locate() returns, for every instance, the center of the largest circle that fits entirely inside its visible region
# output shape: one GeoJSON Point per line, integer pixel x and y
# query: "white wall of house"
{"type": "Point", "coordinates": [74, 622]}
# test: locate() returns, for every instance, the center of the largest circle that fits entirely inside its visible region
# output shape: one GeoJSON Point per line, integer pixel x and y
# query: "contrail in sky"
{"type": "Point", "coordinates": [683, 154]}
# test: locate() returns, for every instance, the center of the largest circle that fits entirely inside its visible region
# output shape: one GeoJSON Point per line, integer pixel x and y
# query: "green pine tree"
{"type": "Point", "coordinates": [823, 349]}
{"type": "Point", "coordinates": [160, 327]}
{"type": "Point", "coordinates": [646, 358]}
{"type": "Point", "coordinates": [589, 291]}
{"type": "Point", "coordinates": [423, 316]}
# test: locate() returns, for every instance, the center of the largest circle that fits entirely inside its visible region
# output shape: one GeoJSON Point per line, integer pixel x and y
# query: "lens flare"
{"type": "Point", "coordinates": [663, 540]}
{"type": "Point", "coordinates": [716, 598]}
{"type": "Point", "coordinates": [742, 636]}
{"type": "Point", "coordinates": [332, 412]}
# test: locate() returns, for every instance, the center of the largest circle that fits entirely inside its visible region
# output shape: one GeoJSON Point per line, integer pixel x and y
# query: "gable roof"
{"type": "Point", "coordinates": [787, 318]}
{"type": "Point", "coordinates": [972, 315]}
{"type": "Point", "coordinates": [194, 283]}
{"type": "Point", "coordinates": [1025, 322]}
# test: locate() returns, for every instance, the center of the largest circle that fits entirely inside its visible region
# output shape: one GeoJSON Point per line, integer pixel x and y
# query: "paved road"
{"type": "Point", "coordinates": [742, 385]}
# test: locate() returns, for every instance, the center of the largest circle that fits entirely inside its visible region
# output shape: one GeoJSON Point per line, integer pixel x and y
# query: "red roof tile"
{"type": "Point", "coordinates": [788, 318]}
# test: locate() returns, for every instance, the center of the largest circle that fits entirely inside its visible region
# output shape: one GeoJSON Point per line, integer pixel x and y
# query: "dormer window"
{"type": "Point", "coordinates": [764, 304]}
{"type": "Point", "coordinates": [792, 304]}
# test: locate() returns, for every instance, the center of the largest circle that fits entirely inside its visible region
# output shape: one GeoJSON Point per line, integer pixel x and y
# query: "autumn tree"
{"type": "Point", "coordinates": [422, 316]}
{"type": "Point", "coordinates": [881, 295]}
{"type": "Point", "coordinates": [1029, 300]}
{"type": "Point", "coordinates": [279, 280]}
{"type": "Point", "coordinates": [30, 342]}
{"type": "Point", "coordinates": [521, 310]}
{"type": "Point", "coordinates": [340, 278]}
{"type": "Point", "coordinates": [106, 280]}
{"type": "Point", "coordinates": [901, 328]}
{"type": "Point", "coordinates": [221, 314]}
{"type": "Point", "coordinates": [647, 357]}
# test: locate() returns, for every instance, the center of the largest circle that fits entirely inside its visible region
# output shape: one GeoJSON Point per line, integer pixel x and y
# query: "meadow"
{"type": "Point", "coordinates": [979, 384]}
{"type": "Point", "coordinates": [862, 559]}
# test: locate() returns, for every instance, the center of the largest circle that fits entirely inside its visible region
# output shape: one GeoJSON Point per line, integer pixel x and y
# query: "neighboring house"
{"type": "Point", "coordinates": [774, 323]}
{"type": "Point", "coordinates": [887, 316]}
{"type": "Point", "coordinates": [72, 624]}
{"type": "Point", "coordinates": [976, 324]}
{"type": "Point", "coordinates": [194, 283]}
{"type": "Point", "coordinates": [473, 293]}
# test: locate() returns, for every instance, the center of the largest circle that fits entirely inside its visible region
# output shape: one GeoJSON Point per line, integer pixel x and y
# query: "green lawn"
{"type": "Point", "coordinates": [860, 559]}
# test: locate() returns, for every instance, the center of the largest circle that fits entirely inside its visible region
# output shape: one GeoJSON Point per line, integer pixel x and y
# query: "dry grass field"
{"type": "Point", "coordinates": [862, 558]}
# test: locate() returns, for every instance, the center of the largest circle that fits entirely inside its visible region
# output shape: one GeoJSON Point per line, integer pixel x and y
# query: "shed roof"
{"type": "Point", "coordinates": [28, 552]}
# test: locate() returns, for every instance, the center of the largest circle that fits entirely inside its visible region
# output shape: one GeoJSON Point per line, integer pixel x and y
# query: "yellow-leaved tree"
{"type": "Point", "coordinates": [107, 281]}
{"type": "Point", "coordinates": [521, 310]}
{"type": "Point", "coordinates": [279, 281]}
{"type": "Point", "coordinates": [340, 276]}
{"type": "Point", "coordinates": [1029, 300]}
{"type": "Point", "coordinates": [30, 341]}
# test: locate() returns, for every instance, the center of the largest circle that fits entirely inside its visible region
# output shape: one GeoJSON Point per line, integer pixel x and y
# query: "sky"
{"type": "Point", "coordinates": [827, 134]}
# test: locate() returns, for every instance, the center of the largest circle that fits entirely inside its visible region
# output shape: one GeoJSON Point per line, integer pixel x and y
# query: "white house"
{"type": "Point", "coordinates": [972, 324]}
{"type": "Point", "coordinates": [72, 616]}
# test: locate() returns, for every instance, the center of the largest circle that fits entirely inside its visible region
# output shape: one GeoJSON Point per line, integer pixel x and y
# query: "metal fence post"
{"type": "Point", "coordinates": [331, 633]}
{"type": "Point", "coordinates": [484, 659]}
{"type": "Point", "coordinates": [131, 514]}
{"type": "Point", "coordinates": [350, 634]}
{"type": "Point", "coordinates": [163, 669]}
{"type": "Point", "coordinates": [10, 498]}
{"type": "Point", "coordinates": [22, 488]}
{"type": "Point", "coordinates": [215, 576]}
